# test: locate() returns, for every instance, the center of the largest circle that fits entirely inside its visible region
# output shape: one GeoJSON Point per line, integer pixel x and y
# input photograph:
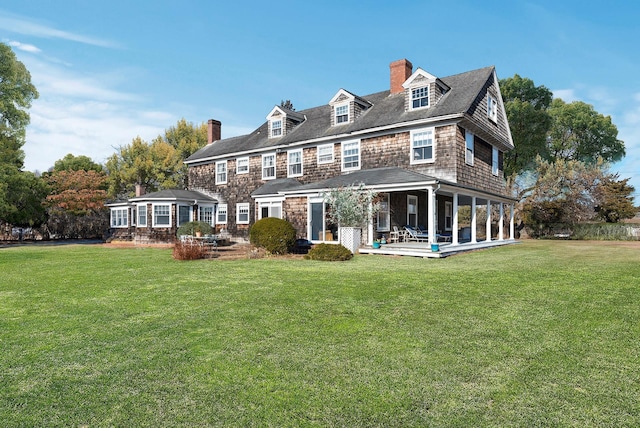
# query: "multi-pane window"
{"type": "Point", "coordinates": [184, 214]}
{"type": "Point", "coordinates": [119, 217]}
{"type": "Point", "coordinates": [383, 214]}
{"type": "Point", "coordinates": [142, 215]}
{"type": "Point", "coordinates": [270, 209]}
{"type": "Point", "coordinates": [162, 215]}
{"type": "Point", "coordinates": [469, 148]}
{"type": "Point", "coordinates": [351, 155]}
{"type": "Point", "coordinates": [294, 163]}
{"type": "Point", "coordinates": [492, 108]}
{"type": "Point", "coordinates": [221, 216]}
{"type": "Point", "coordinates": [342, 113]}
{"type": "Point", "coordinates": [205, 214]}
{"type": "Point", "coordinates": [276, 128]}
{"type": "Point", "coordinates": [420, 97]}
{"type": "Point", "coordinates": [221, 172]}
{"type": "Point", "coordinates": [325, 153]}
{"type": "Point", "coordinates": [242, 165]}
{"type": "Point", "coordinates": [494, 161]}
{"type": "Point", "coordinates": [268, 166]}
{"type": "Point", "coordinates": [242, 213]}
{"type": "Point", "coordinates": [422, 145]}
{"type": "Point", "coordinates": [448, 215]}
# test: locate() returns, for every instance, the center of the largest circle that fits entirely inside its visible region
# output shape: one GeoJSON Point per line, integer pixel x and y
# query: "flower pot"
{"type": "Point", "coordinates": [376, 245]}
{"type": "Point", "coordinates": [435, 247]}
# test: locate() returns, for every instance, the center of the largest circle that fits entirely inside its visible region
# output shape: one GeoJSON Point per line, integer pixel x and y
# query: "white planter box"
{"type": "Point", "coordinates": [351, 237]}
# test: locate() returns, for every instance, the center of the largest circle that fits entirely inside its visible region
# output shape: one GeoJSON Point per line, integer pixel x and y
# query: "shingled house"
{"type": "Point", "coordinates": [432, 147]}
{"type": "Point", "coordinates": [428, 145]}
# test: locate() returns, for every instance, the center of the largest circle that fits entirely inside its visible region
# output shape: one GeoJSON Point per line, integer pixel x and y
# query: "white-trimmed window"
{"type": "Point", "coordinates": [269, 166]}
{"type": "Point", "coordinates": [221, 172]}
{"type": "Point", "coordinates": [242, 213]}
{"type": "Point", "coordinates": [419, 97]}
{"type": "Point", "coordinates": [242, 165]}
{"type": "Point", "coordinates": [184, 214]}
{"type": "Point", "coordinates": [205, 214]}
{"type": "Point", "coordinates": [221, 215]}
{"type": "Point", "coordinates": [276, 128]}
{"type": "Point", "coordinates": [448, 215]}
{"type": "Point", "coordinates": [270, 209]}
{"type": "Point", "coordinates": [492, 108]}
{"type": "Point", "coordinates": [422, 147]}
{"type": "Point", "coordinates": [384, 216]}
{"type": "Point", "coordinates": [351, 155]}
{"type": "Point", "coordinates": [342, 114]}
{"type": "Point", "coordinates": [469, 147]}
{"type": "Point", "coordinates": [142, 215]}
{"type": "Point", "coordinates": [294, 163]}
{"type": "Point", "coordinates": [119, 217]}
{"type": "Point", "coordinates": [494, 161]}
{"type": "Point", "coordinates": [412, 210]}
{"type": "Point", "coordinates": [162, 215]}
{"type": "Point", "coordinates": [325, 153]}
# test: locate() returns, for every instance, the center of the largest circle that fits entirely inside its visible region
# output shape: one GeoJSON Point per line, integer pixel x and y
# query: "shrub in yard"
{"type": "Point", "coordinates": [329, 253]}
{"type": "Point", "coordinates": [275, 235]}
{"type": "Point", "coordinates": [188, 251]}
{"type": "Point", "coordinates": [194, 226]}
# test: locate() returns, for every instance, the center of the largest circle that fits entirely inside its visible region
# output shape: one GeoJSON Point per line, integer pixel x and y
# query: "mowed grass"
{"type": "Point", "coordinates": [541, 333]}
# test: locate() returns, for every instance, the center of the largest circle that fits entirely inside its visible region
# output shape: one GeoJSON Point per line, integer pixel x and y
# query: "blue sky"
{"type": "Point", "coordinates": [108, 71]}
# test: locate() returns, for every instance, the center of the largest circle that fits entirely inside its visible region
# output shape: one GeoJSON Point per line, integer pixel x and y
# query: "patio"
{"type": "Point", "coordinates": [423, 249]}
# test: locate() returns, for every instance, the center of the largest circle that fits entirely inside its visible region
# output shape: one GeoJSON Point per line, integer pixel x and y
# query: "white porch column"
{"type": "Point", "coordinates": [501, 224]}
{"type": "Point", "coordinates": [512, 228]}
{"type": "Point", "coordinates": [474, 221]}
{"type": "Point", "coordinates": [431, 214]}
{"type": "Point", "coordinates": [488, 227]}
{"type": "Point", "coordinates": [370, 225]}
{"type": "Point", "coordinates": [454, 226]}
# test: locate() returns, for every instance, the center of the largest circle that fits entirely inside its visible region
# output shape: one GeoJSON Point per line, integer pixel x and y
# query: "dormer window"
{"type": "Point", "coordinates": [347, 107]}
{"type": "Point", "coordinates": [420, 97]}
{"type": "Point", "coordinates": [282, 121]}
{"type": "Point", "coordinates": [276, 128]}
{"type": "Point", "coordinates": [342, 114]}
{"type": "Point", "coordinates": [423, 90]}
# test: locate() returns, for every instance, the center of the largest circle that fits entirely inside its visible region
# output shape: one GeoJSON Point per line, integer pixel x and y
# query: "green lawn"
{"type": "Point", "coordinates": [541, 333]}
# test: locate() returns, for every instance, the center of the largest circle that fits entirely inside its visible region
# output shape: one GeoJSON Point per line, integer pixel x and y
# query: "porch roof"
{"type": "Point", "coordinates": [175, 195]}
{"type": "Point", "coordinates": [275, 187]}
{"type": "Point", "coordinates": [379, 177]}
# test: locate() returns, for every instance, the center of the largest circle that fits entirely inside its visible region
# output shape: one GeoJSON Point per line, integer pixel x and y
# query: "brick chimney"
{"type": "Point", "coordinates": [140, 190]}
{"type": "Point", "coordinates": [401, 70]}
{"type": "Point", "coordinates": [213, 130]}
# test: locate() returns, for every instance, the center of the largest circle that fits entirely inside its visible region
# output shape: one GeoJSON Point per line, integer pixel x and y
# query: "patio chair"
{"type": "Point", "coordinates": [415, 235]}
{"type": "Point", "coordinates": [396, 235]}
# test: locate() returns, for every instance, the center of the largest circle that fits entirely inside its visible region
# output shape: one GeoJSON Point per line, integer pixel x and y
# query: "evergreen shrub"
{"type": "Point", "coordinates": [275, 235]}
{"type": "Point", "coordinates": [329, 253]}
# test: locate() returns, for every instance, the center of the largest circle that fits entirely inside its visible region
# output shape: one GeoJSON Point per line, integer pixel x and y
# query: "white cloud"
{"type": "Point", "coordinates": [20, 25]}
{"type": "Point", "coordinates": [24, 47]}
{"type": "Point", "coordinates": [567, 95]}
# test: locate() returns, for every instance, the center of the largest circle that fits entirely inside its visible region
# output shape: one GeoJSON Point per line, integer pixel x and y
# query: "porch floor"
{"type": "Point", "coordinates": [423, 249]}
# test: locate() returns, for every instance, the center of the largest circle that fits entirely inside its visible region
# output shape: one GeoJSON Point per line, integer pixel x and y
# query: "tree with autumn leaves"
{"type": "Point", "coordinates": [75, 204]}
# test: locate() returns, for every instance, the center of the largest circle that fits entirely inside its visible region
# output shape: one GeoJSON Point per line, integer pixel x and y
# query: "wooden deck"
{"type": "Point", "coordinates": [423, 249]}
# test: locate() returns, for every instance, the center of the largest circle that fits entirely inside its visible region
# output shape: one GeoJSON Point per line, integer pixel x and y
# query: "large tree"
{"type": "Point", "coordinates": [76, 163]}
{"type": "Point", "coordinates": [75, 204]}
{"type": "Point", "coordinates": [526, 106]}
{"type": "Point", "coordinates": [156, 165]}
{"type": "Point", "coordinates": [578, 132]}
{"type": "Point", "coordinates": [21, 193]}
{"type": "Point", "coordinates": [564, 193]}
{"type": "Point", "coordinates": [615, 199]}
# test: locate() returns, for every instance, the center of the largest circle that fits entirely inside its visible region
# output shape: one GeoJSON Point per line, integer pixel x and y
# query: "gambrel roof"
{"type": "Point", "coordinates": [387, 111]}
